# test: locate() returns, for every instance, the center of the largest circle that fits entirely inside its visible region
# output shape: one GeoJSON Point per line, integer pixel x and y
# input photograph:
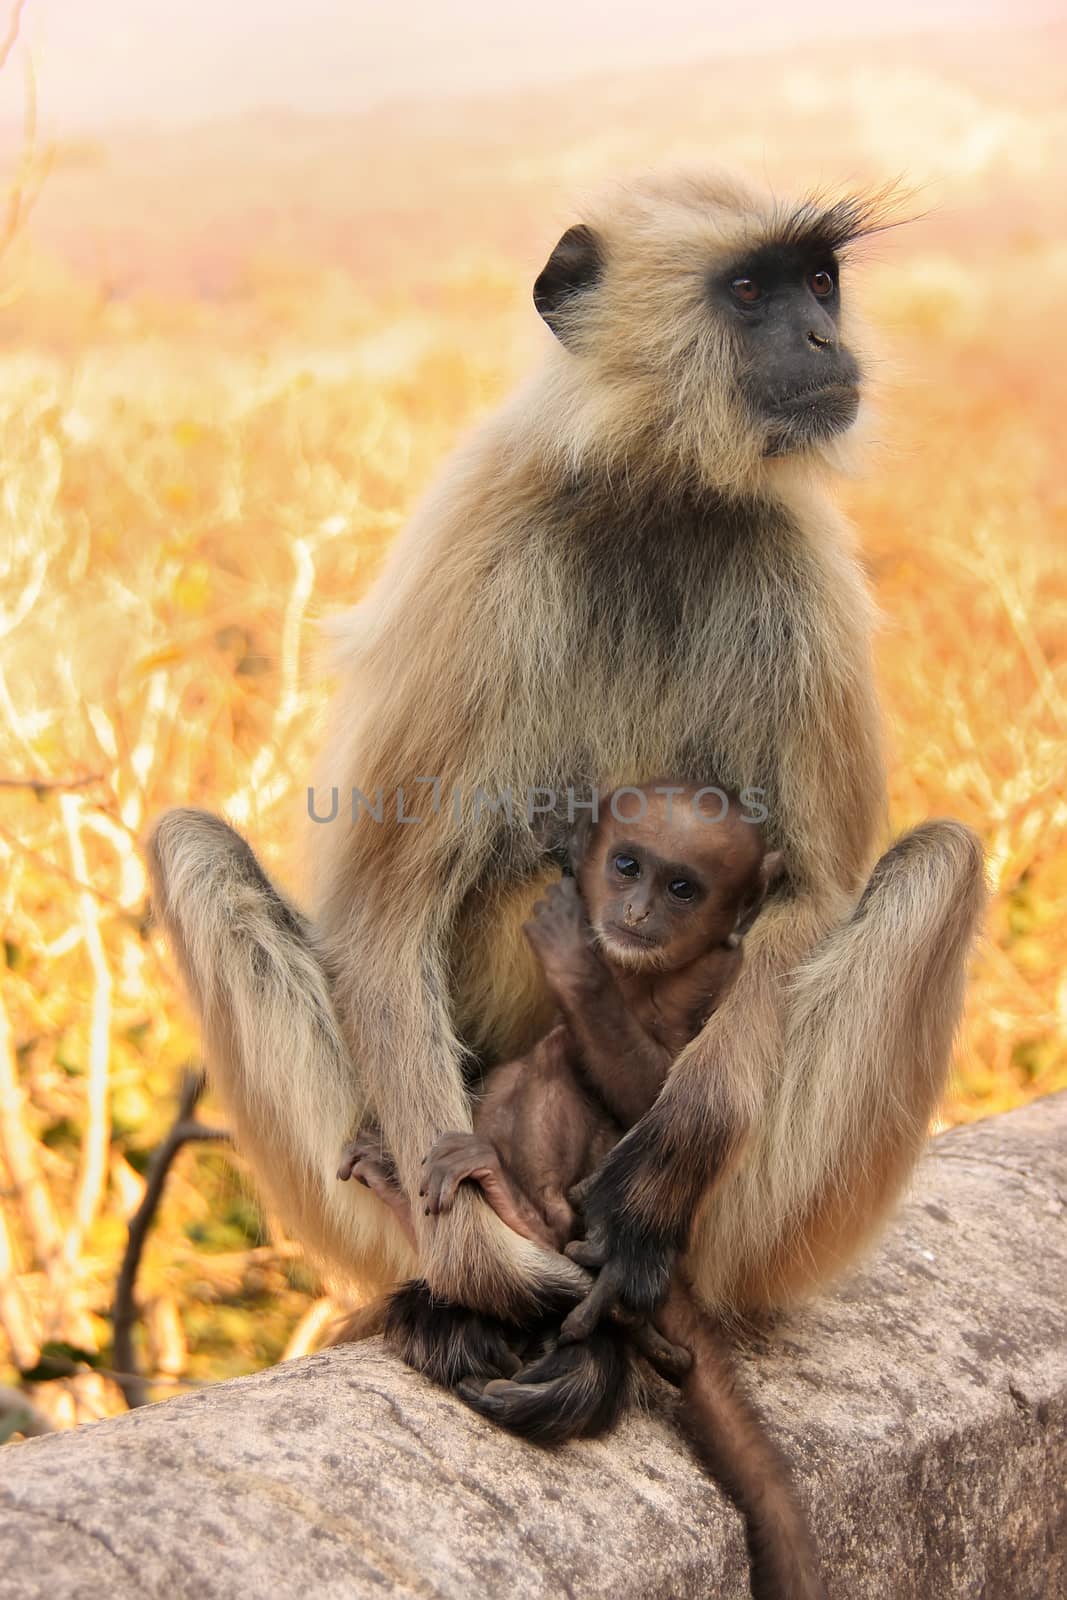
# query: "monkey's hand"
{"type": "Point", "coordinates": [631, 1241]}
{"type": "Point", "coordinates": [559, 934]}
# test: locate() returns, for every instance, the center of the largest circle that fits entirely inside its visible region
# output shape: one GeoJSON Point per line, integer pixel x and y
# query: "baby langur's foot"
{"type": "Point", "coordinates": [467, 1158]}
{"type": "Point", "coordinates": [456, 1158]}
{"type": "Point", "coordinates": [366, 1161]}
{"type": "Point", "coordinates": [577, 1192]}
{"type": "Point", "coordinates": [671, 1361]}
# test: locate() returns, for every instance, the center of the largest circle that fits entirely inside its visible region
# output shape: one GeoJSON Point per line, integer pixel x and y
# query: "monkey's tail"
{"type": "Point", "coordinates": [731, 1440]}
{"type": "Point", "coordinates": [366, 1322]}
{"type": "Point", "coordinates": [573, 1391]}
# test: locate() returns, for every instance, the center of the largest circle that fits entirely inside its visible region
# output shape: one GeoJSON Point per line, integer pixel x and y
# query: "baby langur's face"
{"type": "Point", "coordinates": [658, 898]}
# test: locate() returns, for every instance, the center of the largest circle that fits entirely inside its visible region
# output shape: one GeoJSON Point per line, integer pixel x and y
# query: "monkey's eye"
{"type": "Point", "coordinates": [746, 289]}
{"type": "Point", "coordinates": [821, 283]}
{"type": "Point", "coordinates": [627, 866]}
{"type": "Point", "coordinates": [682, 889]}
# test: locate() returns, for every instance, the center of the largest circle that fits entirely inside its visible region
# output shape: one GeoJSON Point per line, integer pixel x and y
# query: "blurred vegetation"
{"type": "Point", "coordinates": [207, 441]}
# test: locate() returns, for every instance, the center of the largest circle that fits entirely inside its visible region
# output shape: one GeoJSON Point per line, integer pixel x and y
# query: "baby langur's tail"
{"type": "Point", "coordinates": [731, 1440]}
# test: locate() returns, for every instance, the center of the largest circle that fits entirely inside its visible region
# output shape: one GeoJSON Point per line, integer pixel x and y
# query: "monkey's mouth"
{"type": "Point", "coordinates": [811, 414]}
{"type": "Point", "coordinates": [818, 395]}
{"type": "Point", "coordinates": [630, 936]}
{"type": "Point", "coordinates": [634, 952]}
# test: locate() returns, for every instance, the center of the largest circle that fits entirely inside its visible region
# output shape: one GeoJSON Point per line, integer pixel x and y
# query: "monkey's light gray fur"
{"type": "Point", "coordinates": [924, 1406]}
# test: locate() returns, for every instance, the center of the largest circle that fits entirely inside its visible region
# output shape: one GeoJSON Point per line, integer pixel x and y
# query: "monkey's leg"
{"type": "Point", "coordinates": [292, 1083]}
{"type": "Point", "coordinates": [800, 1109]}
{"type": "Point", "coordinates": [731, 1439]}
{"type": "Point", "coordinates": [271, 1036]}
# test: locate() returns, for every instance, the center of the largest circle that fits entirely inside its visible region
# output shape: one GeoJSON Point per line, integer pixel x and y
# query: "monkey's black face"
{"type": "Point", "coordinates": [798, 379]}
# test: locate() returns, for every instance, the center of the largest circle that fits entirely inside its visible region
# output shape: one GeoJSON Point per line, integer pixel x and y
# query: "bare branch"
{"type": "Point", "coordinates": [97, 1138]}
{"type": "Point", "coordinates": [43, 785]}
{"type": "Point", "coordinates": [20, 1157]}
{"type": "Point", "coordinates": [14, 1312]}
{"type": "Point", "coordinates": [185, 1128]}
{"type": "Point", "coordinates": [7, 44]}
{"type": "Point", "coordinates": [316, 1319]}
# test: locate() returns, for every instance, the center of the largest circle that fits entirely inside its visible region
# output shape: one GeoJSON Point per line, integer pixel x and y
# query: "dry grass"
{"type": "Point", "coordinates": [190, 480]}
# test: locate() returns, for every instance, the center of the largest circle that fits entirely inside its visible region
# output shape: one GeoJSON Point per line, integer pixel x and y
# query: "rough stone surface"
{"type": "Point", "coordinates": [924, 1404]}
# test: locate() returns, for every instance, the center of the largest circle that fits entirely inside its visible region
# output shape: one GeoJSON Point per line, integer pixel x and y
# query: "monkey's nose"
{"type": "Point", "coordinates": [821, 341]}
{"type": "Point", "coordinates": [630, 913]}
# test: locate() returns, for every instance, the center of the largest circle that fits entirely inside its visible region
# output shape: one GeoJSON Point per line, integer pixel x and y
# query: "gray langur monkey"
{"type": "Point", "coordinates": [633, 567]}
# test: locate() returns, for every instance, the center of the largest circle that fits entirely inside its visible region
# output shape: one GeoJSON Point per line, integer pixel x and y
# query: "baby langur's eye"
{"type": "Point", "coordinates": [682, 889]}
{"type": "Point", "coordinates": [627, 866]}
{"type": "Point", "coordinates": [746, 289]}
{"type": "Point", "coordinates": [822, 284]}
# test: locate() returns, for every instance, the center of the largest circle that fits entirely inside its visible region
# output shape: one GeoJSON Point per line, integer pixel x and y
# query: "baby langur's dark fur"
{"type": "Point", "coordinates": [671, 880]}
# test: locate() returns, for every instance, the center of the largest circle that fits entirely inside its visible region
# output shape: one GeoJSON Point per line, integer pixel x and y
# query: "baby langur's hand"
{"type": "Point", "coordinates": [559, 933]}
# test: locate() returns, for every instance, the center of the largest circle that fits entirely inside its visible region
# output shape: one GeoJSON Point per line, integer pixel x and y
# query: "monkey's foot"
{"type": "Point", "coordinates": [365, 1160]}
{"type": "Point", "coordinates": [671, 1361]}
{"type": "Point", "coordinates": [466, 1158]}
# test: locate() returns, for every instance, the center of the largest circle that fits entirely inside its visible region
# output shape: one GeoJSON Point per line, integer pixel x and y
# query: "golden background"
{"type": "Point", "coordinates": [231, 356]}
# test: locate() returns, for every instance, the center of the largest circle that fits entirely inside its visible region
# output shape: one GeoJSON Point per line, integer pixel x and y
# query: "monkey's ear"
{"type": "Point", "coordinates": [769, 869]}
{"type": "Point", "coordinates": [578, 843]}
{"type": "Point", "coordinates": [575, 264]}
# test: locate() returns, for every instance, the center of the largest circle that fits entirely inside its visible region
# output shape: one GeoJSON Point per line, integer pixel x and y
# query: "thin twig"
{"type": "Point", "coordinates": [61, 1367]}
{"type": "Point", "coordinates": [20, 1157]}
{"type": "Point", "coordinates": [47, 865]}
{"type": "Point", "coordinates": [7, 44]}
{"type": "Point", "coordinates": [97, 1138]}
{"type": "Point", "coordinates": [42, 785]}
{"type": "Point", "coordinates": [125, 1313]}
{"type": "Point", "coordinates": [15, 1314]}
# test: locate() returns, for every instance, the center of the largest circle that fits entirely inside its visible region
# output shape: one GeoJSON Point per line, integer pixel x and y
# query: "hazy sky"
{"type": "Point", "coordinates": [104, 61]}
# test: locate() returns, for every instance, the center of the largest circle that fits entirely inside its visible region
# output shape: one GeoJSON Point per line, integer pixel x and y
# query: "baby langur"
{"type": "Point", "coordinates": [637, 951]}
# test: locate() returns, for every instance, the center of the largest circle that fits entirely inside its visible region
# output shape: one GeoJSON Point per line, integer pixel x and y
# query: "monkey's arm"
{"type": "Point", "coordinates": [640, 1204]}
{"type": "Point", "coordinates": [622, 1063]}
{"type": "Point", "coordinates": [618, 1059]}
{"type": "Point", "coordinates": [685, 1000]}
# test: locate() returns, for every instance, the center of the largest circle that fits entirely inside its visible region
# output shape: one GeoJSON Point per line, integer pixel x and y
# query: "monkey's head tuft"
{"type": "Point", "coordinates": [703, 329]}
